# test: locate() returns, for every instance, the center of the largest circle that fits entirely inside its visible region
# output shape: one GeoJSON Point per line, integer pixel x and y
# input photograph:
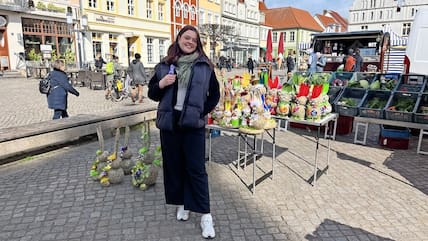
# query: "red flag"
{"type": "Point", "coordinates": [269, 46]}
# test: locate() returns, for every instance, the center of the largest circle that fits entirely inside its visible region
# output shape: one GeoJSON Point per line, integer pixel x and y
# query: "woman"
{"type": "Point", "coordinates": [60, 86]}
{"type": "Point", "coordinates": [138, 74]}
{"type": "Point", "coordinates": [186, 87]}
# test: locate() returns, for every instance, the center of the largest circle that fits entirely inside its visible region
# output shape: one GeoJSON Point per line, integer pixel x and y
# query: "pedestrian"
{"type": "Point", "coordinates": [228, 64]}
{"type": "Point", "coordinates": [250, 65]}
{"type": "Point", "coordinates": [138, 74]}
{"type": "Point", "coordinates": [290, 63]}
{"type": "Point", "coordinates": [186, 95]}
{"type": "Point", "coordinates": [358, 60]}
{"type": "Point", "coordinates": [312, 61]}
{"type": "Point", "coordinates": [60, 86]}
{"type": "Point", "coordinates": [99, 62]}
{"type": "Point", "coordinates": [110, 76]}
{"type": "Point", "coordinates": [349, 61]}
{"type": "Point", "coordinates": [321, 62]}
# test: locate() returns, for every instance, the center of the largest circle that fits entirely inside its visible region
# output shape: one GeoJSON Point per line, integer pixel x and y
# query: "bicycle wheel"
{"type": "Point", "coordinates": [115, 96]}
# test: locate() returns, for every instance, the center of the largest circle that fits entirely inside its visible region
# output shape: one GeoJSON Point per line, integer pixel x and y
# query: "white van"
{"type": "Point", "coordinates": [416, 59]}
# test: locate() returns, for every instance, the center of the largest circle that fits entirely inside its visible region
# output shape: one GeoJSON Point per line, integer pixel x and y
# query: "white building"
{"type": "Point", "coordinates": [395, 16]}
{"type": "Point", "coordinates": [245, 17]}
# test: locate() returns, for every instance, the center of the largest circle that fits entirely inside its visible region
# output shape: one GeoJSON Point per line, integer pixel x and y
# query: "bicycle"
{"type": "Point", "coordinates": [119, 90]}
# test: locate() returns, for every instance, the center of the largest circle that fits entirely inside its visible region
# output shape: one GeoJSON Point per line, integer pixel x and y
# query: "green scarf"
{"type": "Point", "coordinates": [184, 68]}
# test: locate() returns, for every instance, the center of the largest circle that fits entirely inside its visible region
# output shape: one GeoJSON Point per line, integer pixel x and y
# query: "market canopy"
{"type": "Point", "coordinates": [395, 39]}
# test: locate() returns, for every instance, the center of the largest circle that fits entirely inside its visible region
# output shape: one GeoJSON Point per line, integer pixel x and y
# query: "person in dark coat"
{"type": "Point", "coordinates": [99, 62]}
{"type": "Point", "coordinates": [250, 65]}
{"type": "Point", "coordinates": [290, 63]}
{"type": "Point", "coordinates": [358, 61]}
{"type": "Point", "coordinates": [60, 86]}
{"type": "Point", "coordinates": [187, 89]}
{"type": "Point", "coordinates": [138, 74]}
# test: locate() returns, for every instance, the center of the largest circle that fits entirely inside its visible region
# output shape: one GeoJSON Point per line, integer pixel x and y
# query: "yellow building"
{"type": "Point", "coordinates": [209, 13]}
{"type": "Point", "coordinates": [122, 29]}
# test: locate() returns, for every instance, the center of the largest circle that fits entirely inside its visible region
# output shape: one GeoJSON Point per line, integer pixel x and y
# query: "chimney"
{"type": "Point", "coordinates": [324, 12]}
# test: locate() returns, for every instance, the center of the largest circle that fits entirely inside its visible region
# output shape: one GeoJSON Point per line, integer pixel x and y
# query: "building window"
{"type": "Point", "coordinates": [150, 50]}
{"type": "Point", "coordinates": [285, 36]}
{"type": "Point", "coordinates": [92, 3]}
{"type": "Point", "coordinates": [209, 17]}
{"type": "Point", "coordinates": [149, 9]}
{"type": "Point", "coordinates": [177, 9]}
{"type": "Point", "coordinates": [161, 49]}
{"type": "Point", "coordinates": [110, 5]}
{"type": "Point", "coordinates": [406, 29]}
{"type": "Point", "coordinates": [292, 36]}
{"type": "Point", "coordinates": [192, 13]}
{"type": "Point", "coordinates": [275, 37]}
{"type": "Point", "coordinates": [371, 15]}
{"type": "Point", "coordinates": [201, 17]}
{"type": "Point", "coordinates": [160, 12]}
{"type": "Point", "coordinates": [413, 12]}
{"type": "Point", "coordinates": [364, 27]}
{"type": "Point", "coordinates": [380, 15]}
{"type": "Point", "coordinates": [131, 6]}
{"type": "Point", "coordinates": [363, 17]}
{"type": "Point", "coordinates": [186, 11]}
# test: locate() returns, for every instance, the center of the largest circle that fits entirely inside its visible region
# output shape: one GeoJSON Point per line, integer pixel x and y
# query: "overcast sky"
{"type": "Point", "coordinates": [314, 6]}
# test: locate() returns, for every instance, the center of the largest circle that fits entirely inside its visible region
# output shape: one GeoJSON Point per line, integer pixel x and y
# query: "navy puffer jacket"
{"type": "Point", "coordinates": [57, 98]}
{"type": "Point", "coordinates": [202, 96]}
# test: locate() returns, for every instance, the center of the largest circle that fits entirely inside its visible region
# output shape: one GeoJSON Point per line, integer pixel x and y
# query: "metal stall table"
{"type": "Point", "coordinates": [320, 123]}
{"type": "Point", "coordinates": [250, 147]}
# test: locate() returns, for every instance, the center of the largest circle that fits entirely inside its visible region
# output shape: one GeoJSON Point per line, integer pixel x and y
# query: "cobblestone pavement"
{"type": "Point", "coordinates": [369, 193]}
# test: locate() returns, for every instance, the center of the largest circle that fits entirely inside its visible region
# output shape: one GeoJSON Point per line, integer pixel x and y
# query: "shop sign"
{"type": "Point", "coordinates": [104, 19]}
{"type": "Point", "coordinates": [3, 21]}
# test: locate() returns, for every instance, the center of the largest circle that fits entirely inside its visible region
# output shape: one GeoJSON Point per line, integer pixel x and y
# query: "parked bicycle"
{"type": "Point", "coordinates": [120, 90]}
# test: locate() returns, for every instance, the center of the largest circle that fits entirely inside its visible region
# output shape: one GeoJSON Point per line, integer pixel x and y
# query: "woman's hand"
{"type": "Point", "coordinates": [169, 79]}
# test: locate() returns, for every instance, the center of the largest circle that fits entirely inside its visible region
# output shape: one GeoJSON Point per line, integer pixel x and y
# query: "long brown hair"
{"type": "Point", "coordinates": [174, 51]}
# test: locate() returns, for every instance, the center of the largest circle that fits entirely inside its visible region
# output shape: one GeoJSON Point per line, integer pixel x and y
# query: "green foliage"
{"type": "Point", "coordinates": [54, 8]}
{"type": "Point", "coordinates": [32, 55]}
{"type": "Point", "coordinates": [69, 57]}
{"type": "Point", "coordinates": [55, 55]}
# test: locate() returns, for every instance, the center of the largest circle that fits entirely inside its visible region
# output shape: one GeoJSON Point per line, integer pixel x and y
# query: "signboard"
{"type": "Point", "coordinates": [45, 47]}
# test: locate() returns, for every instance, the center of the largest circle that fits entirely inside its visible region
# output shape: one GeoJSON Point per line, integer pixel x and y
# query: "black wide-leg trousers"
{"type": "Point", "coordinates": [185, 176]}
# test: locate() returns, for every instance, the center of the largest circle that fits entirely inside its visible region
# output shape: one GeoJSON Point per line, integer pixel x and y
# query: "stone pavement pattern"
{"type": "Point", "coordinates": [369, 193]}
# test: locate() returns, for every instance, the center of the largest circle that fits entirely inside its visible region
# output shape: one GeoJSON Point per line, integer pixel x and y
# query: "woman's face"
{"type": "Point", "coordinates": [188, 42]}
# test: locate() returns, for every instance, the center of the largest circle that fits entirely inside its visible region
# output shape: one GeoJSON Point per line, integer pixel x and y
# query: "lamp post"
{"type": "Point", "coordinates": [82, 31]}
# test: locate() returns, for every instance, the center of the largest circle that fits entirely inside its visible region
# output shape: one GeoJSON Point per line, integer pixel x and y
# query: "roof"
{"type": "Point", "coordinates": [339, 19]}
{"type": "Point", "coordinates": [325, 20]}
{"type": "Point", "coordinates": [262, 6]}
{"type": "Point", "coordinates": [289, 18]}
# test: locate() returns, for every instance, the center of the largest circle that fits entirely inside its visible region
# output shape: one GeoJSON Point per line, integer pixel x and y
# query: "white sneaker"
{"type": "Point", "coordinates": [207, 226]}
{"type": "Point", "coordinates": [182, 215]}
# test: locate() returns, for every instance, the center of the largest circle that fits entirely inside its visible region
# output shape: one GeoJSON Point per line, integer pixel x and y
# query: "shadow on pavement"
{"type": "Point", "coordinates": [329, 229]}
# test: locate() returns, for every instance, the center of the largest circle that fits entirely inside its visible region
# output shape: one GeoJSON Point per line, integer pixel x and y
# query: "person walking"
{"type": "Point", "coordinates": [290, 63]}
{"type": "Point", "coordinates": [60, 86]}
{"type": "Point", "coordinates": [321, 62]}
{"type": "Point", "coordinates": [358, 61]}
{"type": "Point", "coordinates": [187, 89]}
{"type": "Point", "coordinates": [312, 61]}
{"type": "Point", "coordinates": [138, 74]}
{"type": "Point", "coordinates": [250, 65]}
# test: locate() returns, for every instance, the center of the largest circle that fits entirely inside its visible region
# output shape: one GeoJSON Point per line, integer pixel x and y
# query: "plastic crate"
{"type": "Point", "coordinates": [366, 111]}
{"type": "Point", "coordinates": [384, 78]}
{"type": "Point", "coordinates": [411, 83]}
{"type": "Point", "coordinates": [344, 78]}
{"type": "Point", "coordinates": [394, 131]}
{"type": "Point", "coordinates": [399, 115]}
{"type": "Point", "coordinates": [394, 143]}
{"type": "Point", "coordinates": [369, 76]}
{"type": "Point", "coordinates": [333, 93]}
{"type": "Point", "coordinates": [347, 110]}
{"type": "Point", "coordinates": [420, 117]}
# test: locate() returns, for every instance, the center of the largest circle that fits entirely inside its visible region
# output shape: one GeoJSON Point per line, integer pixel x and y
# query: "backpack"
{"type": "Point", "coordinates": [45, 85]}
{"type": "Point", "coordinates": [110, 68]}
{"type": "Point", "coordinates": [349, 64]}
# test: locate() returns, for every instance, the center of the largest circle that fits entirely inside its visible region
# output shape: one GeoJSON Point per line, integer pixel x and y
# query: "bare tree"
{"type": "Point", "coordinates": [217, 33]}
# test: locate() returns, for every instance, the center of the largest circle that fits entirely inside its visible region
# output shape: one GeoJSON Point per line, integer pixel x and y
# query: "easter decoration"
{"type": "Point", "coordinates": [125, 154]}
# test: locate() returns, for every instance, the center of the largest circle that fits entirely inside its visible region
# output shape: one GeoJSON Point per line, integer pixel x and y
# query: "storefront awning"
{"type": "Point", "coordinates": [395, 39]}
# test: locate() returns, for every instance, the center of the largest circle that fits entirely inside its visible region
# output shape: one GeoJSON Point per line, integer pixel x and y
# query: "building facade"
{"type": "Point", "coordinates": [391, 15]}
{"type": "Point", "coordinates": [210, 13]}
{"type": "Point", "coordinates": [244, 16]}
{"type": "Point", "coordinates": [125, 29]}
{"type": "Point", "coordinates": [183, 12]}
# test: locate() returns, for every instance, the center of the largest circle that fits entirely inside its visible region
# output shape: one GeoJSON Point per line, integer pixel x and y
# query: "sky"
{"type": "Point", "coordinates": [314, 6]}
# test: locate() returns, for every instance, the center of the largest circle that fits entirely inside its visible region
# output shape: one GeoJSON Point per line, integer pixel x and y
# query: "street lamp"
{"type": "Point", "coordinates": [80, 38]}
